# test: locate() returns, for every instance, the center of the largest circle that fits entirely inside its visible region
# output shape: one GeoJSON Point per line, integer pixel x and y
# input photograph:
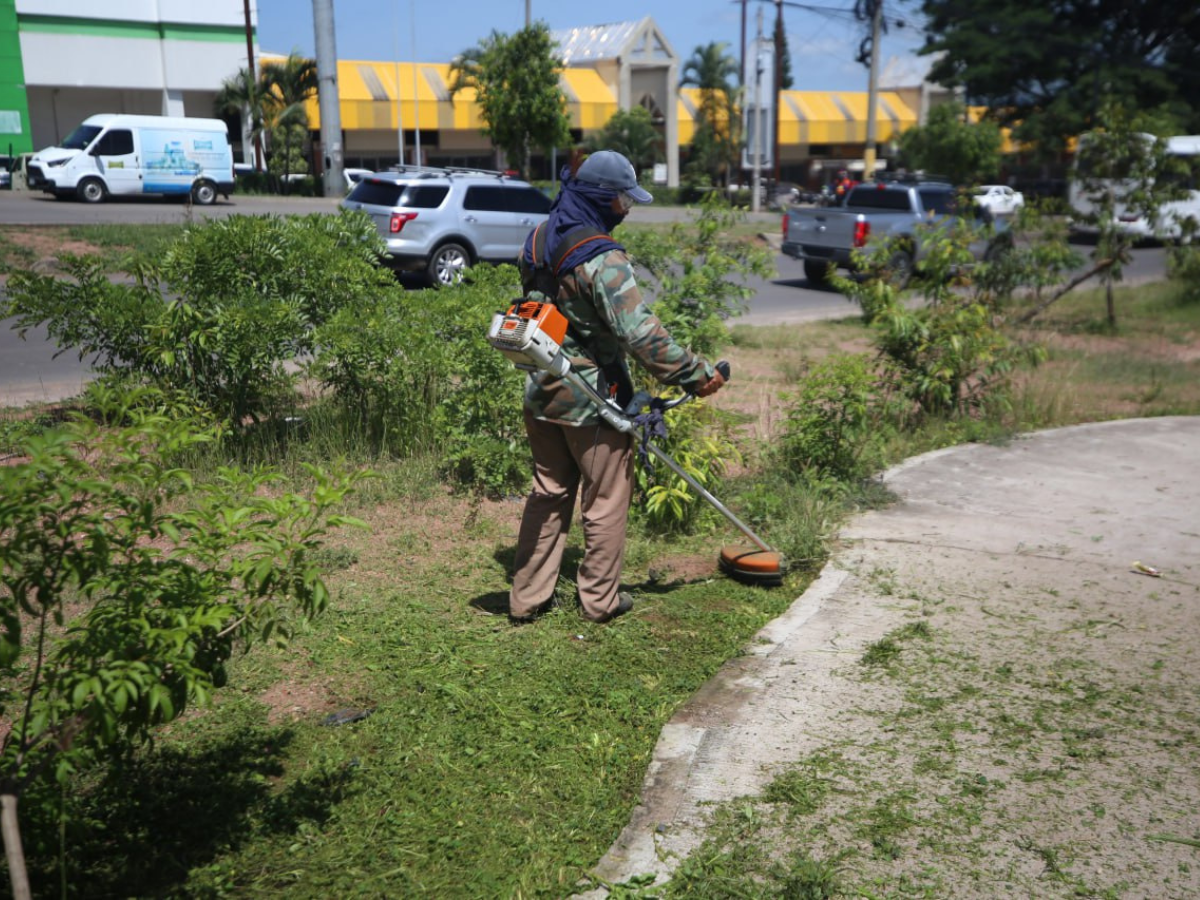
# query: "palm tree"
{"type": "Point", "coordinates": [714, 72]}
{"type": "Point", "coordinates": [242, 95]}
{"type": "Point", "coordinates": [287, 85]}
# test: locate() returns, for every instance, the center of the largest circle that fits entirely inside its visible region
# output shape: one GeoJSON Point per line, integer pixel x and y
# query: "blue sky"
{"type": "Point", "coordinates": [822, 45]}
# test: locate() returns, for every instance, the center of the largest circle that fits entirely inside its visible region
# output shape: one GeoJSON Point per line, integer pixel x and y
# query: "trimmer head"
{"type": "Point", "coordinates": [751, 565]}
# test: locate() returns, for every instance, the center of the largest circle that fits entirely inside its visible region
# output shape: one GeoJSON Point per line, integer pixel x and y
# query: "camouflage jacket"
{"type": "Point", "coordinates": [609, 318]}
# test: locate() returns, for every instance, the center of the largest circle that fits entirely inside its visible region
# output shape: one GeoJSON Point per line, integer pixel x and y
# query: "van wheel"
{"type": "Point", "coordinates": [817, 273]}
{"type": "Point", "coordinates": [91, 190]}
{"type": "Point", "coordinates": [204, 193]}
{"type": "Point", "coordinates": [447, 264]}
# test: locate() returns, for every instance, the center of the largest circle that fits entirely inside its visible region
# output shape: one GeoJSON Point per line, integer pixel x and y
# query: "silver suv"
{"type": "Point", "coordinates": [442, 220]}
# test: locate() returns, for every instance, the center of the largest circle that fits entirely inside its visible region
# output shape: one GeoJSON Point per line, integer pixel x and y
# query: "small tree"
{"type": "Point", "coordinates": [273, 104]}
{"type": "Point", "coordinates": [515, 79]}
{"type": "Point", "coordinates": [286, 86]}
{"type": "Point", "coordinates": [242, 95]}
{"type": "Point", "coordinates": [126, 587]}
{"type": "Point", "coordinates": [962, 151]}
{"type": "Point", "coordinates": [1123, 172]}
{"type": "Point", "coordinates": [630, 132]}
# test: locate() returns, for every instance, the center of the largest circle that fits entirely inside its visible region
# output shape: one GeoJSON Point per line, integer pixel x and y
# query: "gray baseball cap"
{"type": "Point", "coordinates": [610, 169]}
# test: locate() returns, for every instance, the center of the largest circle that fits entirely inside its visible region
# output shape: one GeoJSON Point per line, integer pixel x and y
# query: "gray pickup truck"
{"type": "Point", "coordinates": [828, 235]}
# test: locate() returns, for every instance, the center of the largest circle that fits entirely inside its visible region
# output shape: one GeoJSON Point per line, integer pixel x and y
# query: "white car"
{"type": "Point", "coordinates": [999, 199]}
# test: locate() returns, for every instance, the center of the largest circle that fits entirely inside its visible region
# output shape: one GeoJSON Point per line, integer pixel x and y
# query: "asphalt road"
{"type": "Point", "coordinates": [30, 371]}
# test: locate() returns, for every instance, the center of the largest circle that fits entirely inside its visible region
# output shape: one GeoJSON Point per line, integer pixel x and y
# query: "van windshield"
{"type": "Point", "coordinates": [81, 137]}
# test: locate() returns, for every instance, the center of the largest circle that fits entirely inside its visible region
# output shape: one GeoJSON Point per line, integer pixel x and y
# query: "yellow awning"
{"type": "Point", "coordinates": [814, 117]}
{"type": "Point", "coordinates": [368, 93]}
{"type": "Point", "coordinates": [818, 117]}
{"type": "Point", "coordinates": [590, 102]}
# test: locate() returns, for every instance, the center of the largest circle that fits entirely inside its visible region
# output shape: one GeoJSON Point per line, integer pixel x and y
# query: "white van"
{"type": "Point", "coordinates": [1167, 222]}
{"type": "Point", "coordinates": [122, 155]}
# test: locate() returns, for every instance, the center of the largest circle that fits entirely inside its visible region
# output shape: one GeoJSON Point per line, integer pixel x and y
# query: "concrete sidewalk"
{"type": "Point", "coordinates": [1035, 518]}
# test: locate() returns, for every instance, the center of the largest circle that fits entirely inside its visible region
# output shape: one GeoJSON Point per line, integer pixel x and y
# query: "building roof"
{"type": "Point", "coordinates": [593, 42]}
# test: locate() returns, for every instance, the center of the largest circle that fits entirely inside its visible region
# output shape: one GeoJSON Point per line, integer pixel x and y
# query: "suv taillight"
{"type": "Point", "coordinates": [862, 231]}
{"type": "Point", "coordinates": [398, 220]}
{"type": "Point", "coordinates": [785, 218]}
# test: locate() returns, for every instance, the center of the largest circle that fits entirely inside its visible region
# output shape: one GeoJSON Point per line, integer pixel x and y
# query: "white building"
{"type": "Point", "coordinates": [153, 57]}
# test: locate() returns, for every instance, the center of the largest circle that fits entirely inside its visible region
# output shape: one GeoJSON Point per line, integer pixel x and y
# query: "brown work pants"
{"type": "Point", "coordinates": [600, 459]}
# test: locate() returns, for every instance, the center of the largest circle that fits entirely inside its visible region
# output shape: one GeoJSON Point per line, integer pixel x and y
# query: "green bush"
{"type": "Point", "coordinates": [697, 274]}
{"type": "Point", "coordinates": [127, 585]}
{"type": "Point", "coordinates": [833, 425]}
{"type": "Point", "coordinates": [221, 314]}
{"type": "Point", "coordinates": [950, 356]}
{"type": "Point", "coordinates": [1183, 265]}
{"type": "Point", "coordinates": [695, 441]}
{"type": "Point", "coordinates": [414, 373]}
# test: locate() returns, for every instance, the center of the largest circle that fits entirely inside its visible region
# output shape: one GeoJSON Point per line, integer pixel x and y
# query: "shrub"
{"type": "Point", "coordinates": [221, 314]}
{"type": "Point", "coordinates": [694, 440]}
{"type": "Point", "coordinates": [126, 586]}
{"type": "Point", "coordinates": [833, 424]}
{"type": "Point", "coordinates": [1183, 265]}
{"type": "Point", "coordinates": [415, 373]}
{"type": "Point", "coordinates": [696, 274]}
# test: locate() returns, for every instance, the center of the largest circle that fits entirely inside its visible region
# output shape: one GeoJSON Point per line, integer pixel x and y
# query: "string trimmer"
{"type": "Point", "coordinates": [530, 334]}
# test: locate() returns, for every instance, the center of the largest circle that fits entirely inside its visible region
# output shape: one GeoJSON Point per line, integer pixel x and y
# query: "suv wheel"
{"type": "Point", "coordinates": [447, 264]}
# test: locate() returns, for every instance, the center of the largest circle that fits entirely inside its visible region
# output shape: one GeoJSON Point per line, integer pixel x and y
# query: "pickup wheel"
{"type": "Point", "coordinates": [899, 269]}
{"type": "Point", "coordinates": [999, 248]}
{"type": "Point", "coordinates": [817, 273]}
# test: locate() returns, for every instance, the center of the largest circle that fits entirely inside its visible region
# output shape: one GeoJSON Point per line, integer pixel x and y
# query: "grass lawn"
{"type": "Point", "coordinates": [490, 761]}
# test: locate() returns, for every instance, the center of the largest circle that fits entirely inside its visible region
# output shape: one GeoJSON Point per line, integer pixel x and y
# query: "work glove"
{"type": "Point", "coordinates": [711, 386]}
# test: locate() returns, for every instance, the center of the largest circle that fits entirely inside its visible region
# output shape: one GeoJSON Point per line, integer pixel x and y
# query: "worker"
{"type": "Point", "coordinates": [574, 452]}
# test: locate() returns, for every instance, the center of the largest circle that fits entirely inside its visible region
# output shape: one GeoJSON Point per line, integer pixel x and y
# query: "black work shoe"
{"type": "Point", "coordinates": [624, 605]}
{"type": "Point", "coordinates": [538, 612]}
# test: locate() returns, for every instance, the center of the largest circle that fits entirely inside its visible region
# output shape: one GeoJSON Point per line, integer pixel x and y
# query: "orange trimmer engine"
{"type": "Point", "coordinates": [531, 335]}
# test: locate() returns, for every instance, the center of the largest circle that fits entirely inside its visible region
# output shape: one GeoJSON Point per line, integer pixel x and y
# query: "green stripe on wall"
{"type": "Point", "coordinates": [13, 98]}
{"type": "Point", "coordinates": [178, 31]}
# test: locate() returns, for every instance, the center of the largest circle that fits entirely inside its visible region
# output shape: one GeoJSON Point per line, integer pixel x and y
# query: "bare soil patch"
{"type": "Point", "coordinates": [48, 245]}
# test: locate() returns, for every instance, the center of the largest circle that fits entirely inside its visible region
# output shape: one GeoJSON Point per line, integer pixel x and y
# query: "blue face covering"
{"type": "Point", "coordinates": [579, 204]}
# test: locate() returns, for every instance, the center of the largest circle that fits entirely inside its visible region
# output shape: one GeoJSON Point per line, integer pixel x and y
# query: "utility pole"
{"type": "Point", "coordinates": [327, 96]}
{"type": "Point", "coordinates": [778, 86]}
{"type": "Point", "coordinates": [755, 203]}
{"type": "Point", "coordinates": [399, 113]}
{"type": "Point", "coordinates": [872, 93]}
{"type": "Point", "coordinates": [742, 50]}
{"type": "Point", "coordinates": [255, 140]}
